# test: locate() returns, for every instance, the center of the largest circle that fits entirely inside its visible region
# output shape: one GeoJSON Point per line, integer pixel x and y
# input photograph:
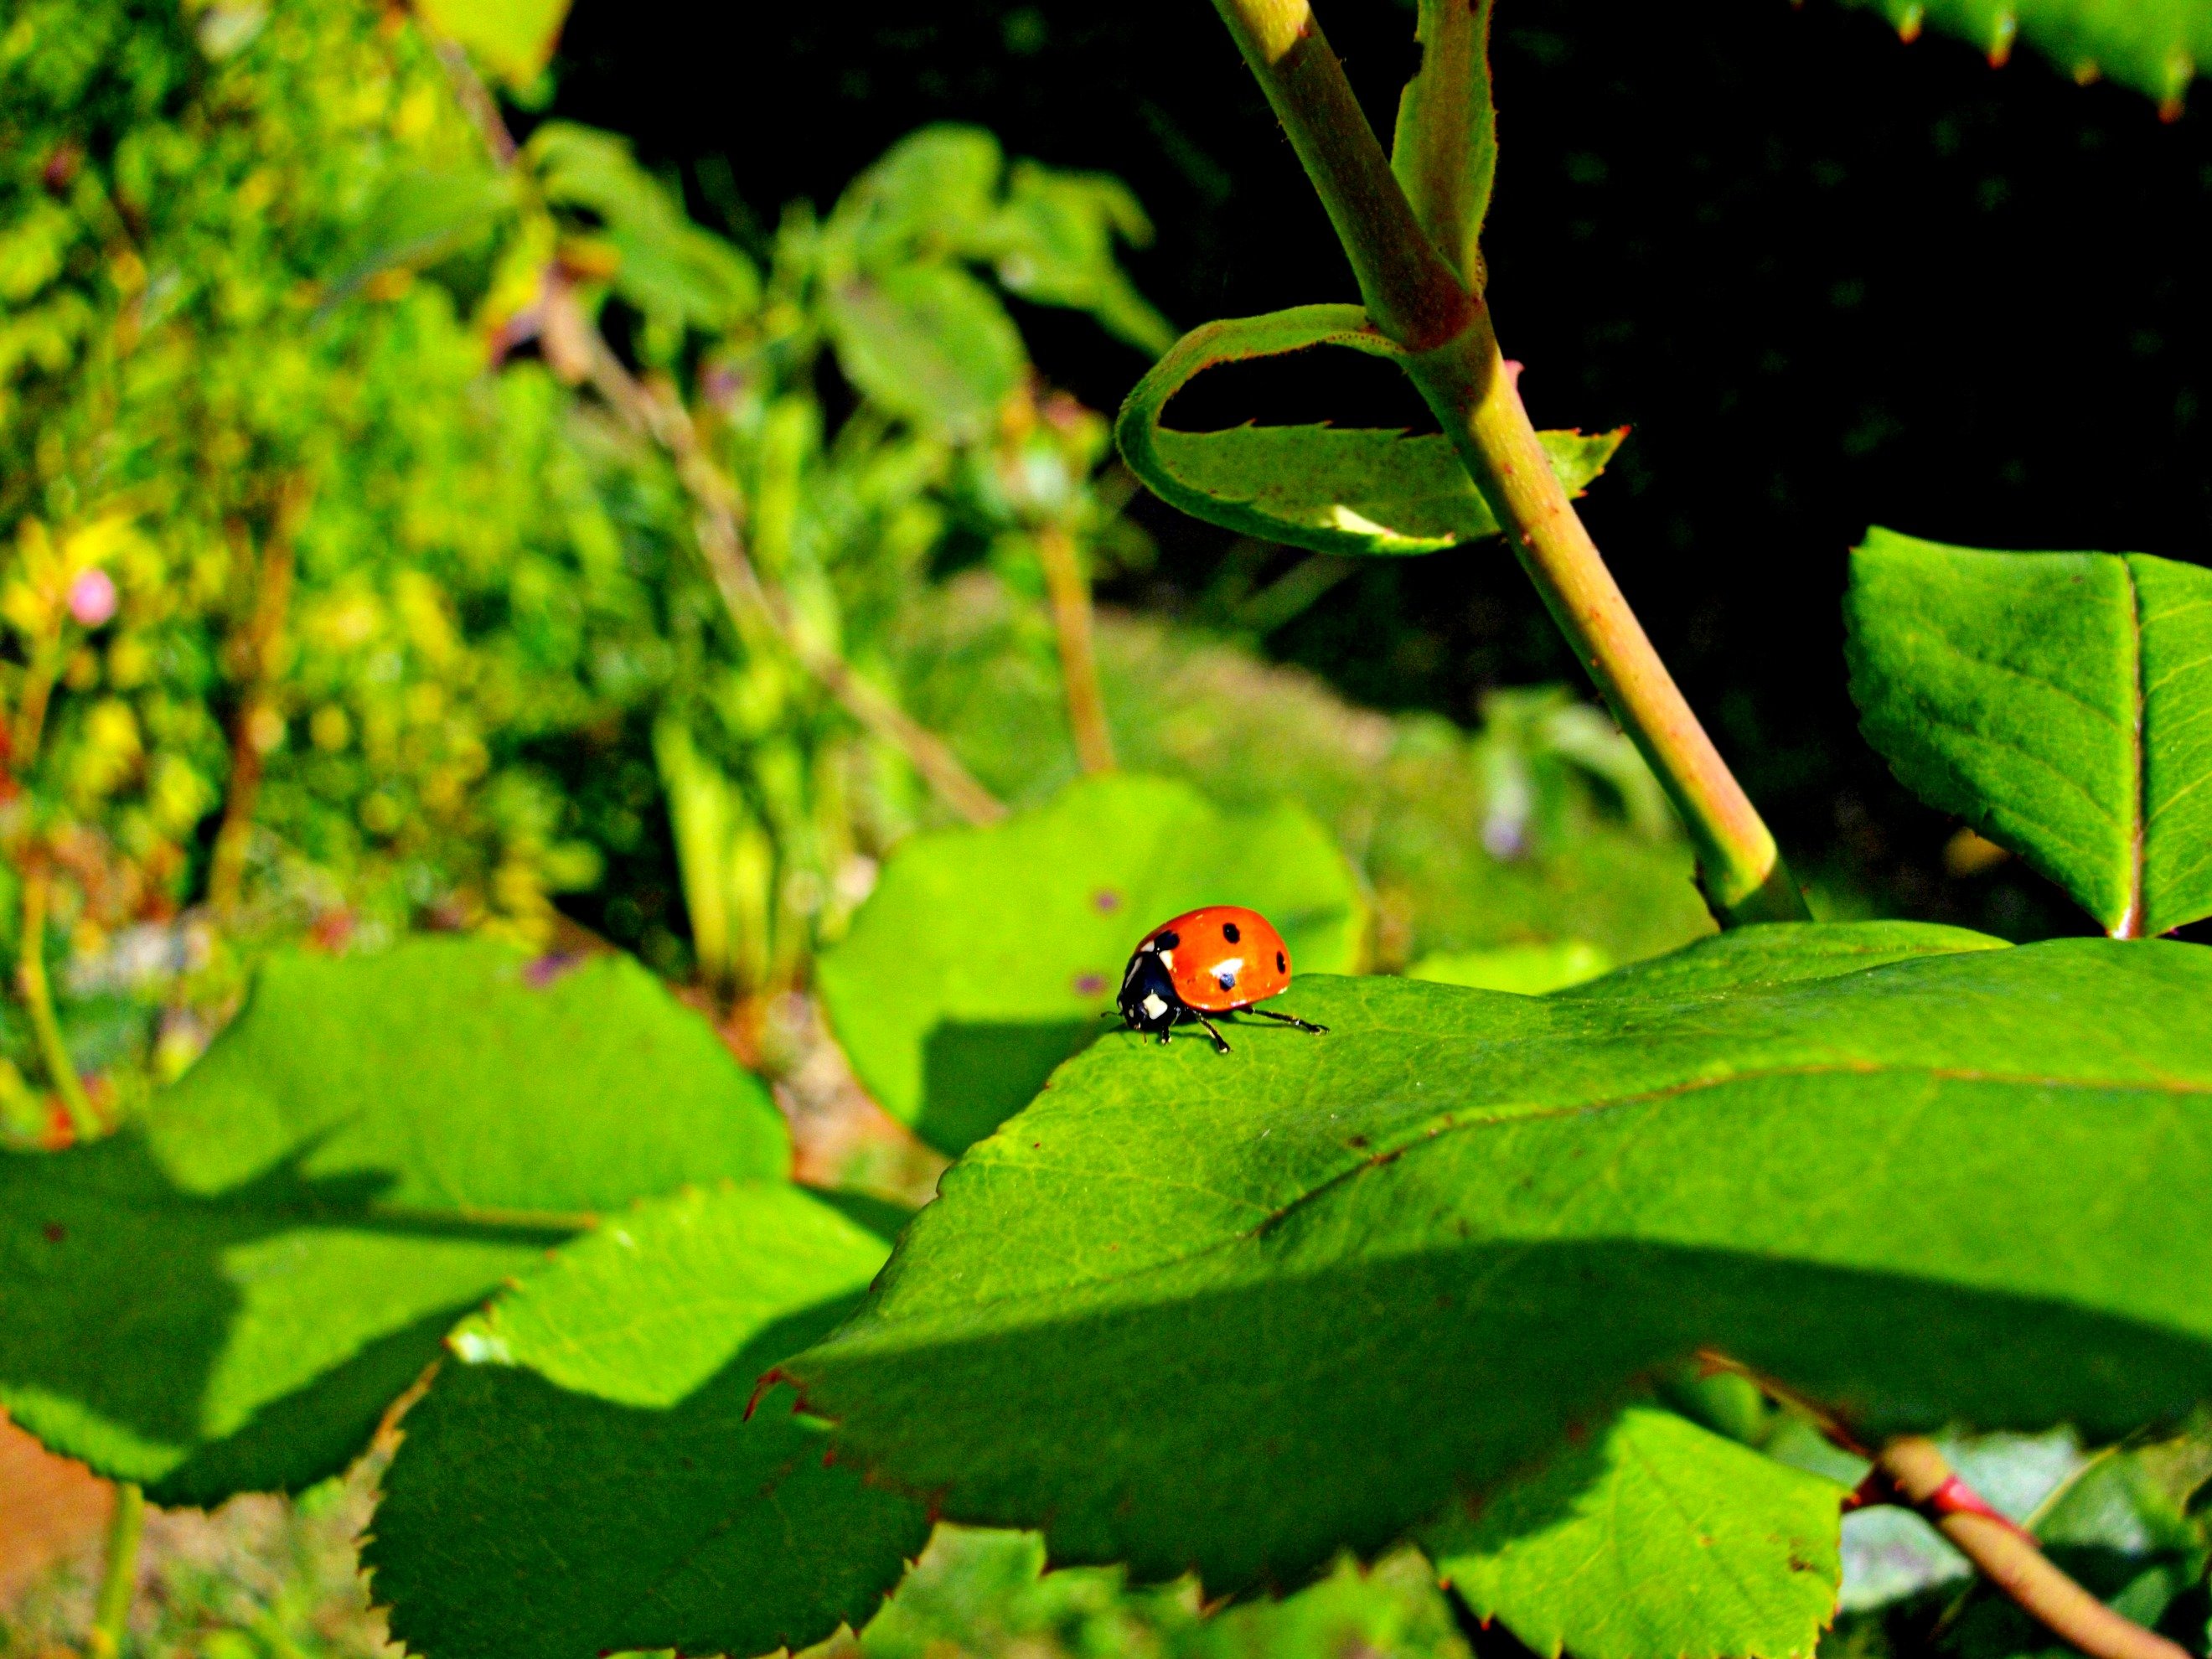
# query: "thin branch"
{"type": "Point", "coordinates": [256, 652]}
{"type": "Point", "coordinates": [2011, 1558]}
{"type": "Point", "coordinates": [1069, 590]}
{"type": "Point", "coordinates": [1414, 297]}
{"type": "Point", "coordinates": [38, 999]}
{"type": "Point", "coordinates": [1911, 1472]}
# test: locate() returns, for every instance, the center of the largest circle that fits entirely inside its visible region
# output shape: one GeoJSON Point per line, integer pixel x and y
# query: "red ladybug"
{"type": "Point", "coordinates": [1221, 959]}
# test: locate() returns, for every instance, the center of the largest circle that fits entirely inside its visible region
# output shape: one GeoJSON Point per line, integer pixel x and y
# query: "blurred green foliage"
{"type": "Point", "coordinates": [333, 598]}
{"type": "Point", "coordinates": [325, 602]}
{"type": "Point", "coordinates": [987, 1594]}
{"type": "Point", "coordinates": [1543, 825]}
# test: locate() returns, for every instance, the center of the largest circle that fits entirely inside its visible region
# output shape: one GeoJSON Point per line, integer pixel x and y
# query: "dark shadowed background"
{"type": "Point", "coordinates": [1829, 278]}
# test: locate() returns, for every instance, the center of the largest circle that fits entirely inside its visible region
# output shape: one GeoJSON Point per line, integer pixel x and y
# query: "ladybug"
{"type": "Point", "coordinates": [1220, 959]}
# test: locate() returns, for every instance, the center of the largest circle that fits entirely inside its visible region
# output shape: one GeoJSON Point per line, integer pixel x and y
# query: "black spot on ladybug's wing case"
{"type": "Point", "coordinates": [1282, 964]}
{"type": "Point", "coordinates": [1167, 941]}
{"type": "Point", "coordinates": [1229, 931]}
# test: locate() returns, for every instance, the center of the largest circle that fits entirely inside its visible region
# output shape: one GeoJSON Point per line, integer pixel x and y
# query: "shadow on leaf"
{"type": "Point", "coordinates": [207, 1343]}
{"type": "Point", "coordinates": [516, 1521]}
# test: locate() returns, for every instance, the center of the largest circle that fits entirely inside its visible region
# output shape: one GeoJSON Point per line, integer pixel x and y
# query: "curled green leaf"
{"type": "Point", "coordinates": [1445, 148]}
{"type": "Point", "coordinates": [1333, 489]}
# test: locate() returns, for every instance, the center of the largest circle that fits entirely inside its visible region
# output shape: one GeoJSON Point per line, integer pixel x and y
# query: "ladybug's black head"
{"type": "Point", "coordinates": [1148, 1000]}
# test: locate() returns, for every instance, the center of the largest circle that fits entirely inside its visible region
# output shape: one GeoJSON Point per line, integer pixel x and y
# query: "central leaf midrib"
{"type": "Point", "coordinates": [2132, 918]}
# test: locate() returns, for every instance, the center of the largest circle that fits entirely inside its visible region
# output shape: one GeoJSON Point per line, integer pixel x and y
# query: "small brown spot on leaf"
{"type": "Point", "coordinates": [55, 1232]}
{"type": "Point", "coordinates": [1089, 985]}
{"type": "Point", "coordinates": [1106, 901]}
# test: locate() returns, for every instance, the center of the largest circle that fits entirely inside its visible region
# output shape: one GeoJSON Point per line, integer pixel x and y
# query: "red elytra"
{"type": "Point", "coordinates": [1218, 959]}
{"type": "Point", "coordinates": [1224, 958]}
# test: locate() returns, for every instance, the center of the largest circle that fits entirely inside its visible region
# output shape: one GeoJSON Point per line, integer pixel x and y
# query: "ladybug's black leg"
{"type": "Point", "coordinates": [1287, 1019]}
{"type": "Point", "coordinates": [1220, 1043]}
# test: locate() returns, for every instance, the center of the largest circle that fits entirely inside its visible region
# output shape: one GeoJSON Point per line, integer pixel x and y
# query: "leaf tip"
{"type": "Point", "coordinates": [2003, 32]}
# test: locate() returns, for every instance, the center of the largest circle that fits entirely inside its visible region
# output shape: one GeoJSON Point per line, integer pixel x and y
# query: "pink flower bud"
{"type": "Point", "coordinates": [92, 598]}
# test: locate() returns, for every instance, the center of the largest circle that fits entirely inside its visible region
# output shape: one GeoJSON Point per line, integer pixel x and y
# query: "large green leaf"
{"type": "Point", "coordinates": [1238, 1311]}
{"type": "Point", "coordinates": [2059, 702]}
{"type": "Point", "coordinates": [1445, 148]}
{"type": "Point", "coordinates": [986, 956]}
{"type": "Point", "coordinates": [226, 1296]}
{"type": "Point", "coordinates": [581, 1476]}
{"type": "Point", "coordinates": [1655, 1537]}
{"type": "Point", "coordinates": [1335, 490]}
{"type": "Point", "coordinates": [2152, 46]}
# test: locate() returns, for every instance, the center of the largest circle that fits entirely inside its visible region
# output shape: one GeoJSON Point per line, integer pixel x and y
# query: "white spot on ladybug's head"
{"type": "Point", "coordinates": [1154, 1004]}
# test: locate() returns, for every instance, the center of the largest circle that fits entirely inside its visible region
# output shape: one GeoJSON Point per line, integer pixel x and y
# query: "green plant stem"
{"type": "Point", "coordinates": [45, 667]}
{"type": "Point", "coordinates": [38, 999]}
{"type": "Point", "coordinates": [118, 1583]}
{"type": "Point", "coordinates": [1069, 590]}
{"type": "Point", "coordinates": [255, 653]}
{"type": "Point", "coordinates": [1740, 868]}
{"type": "Point", "coordinates": [1413, 296]}
{"type": "Point", "coordinates": [1411, 291]}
